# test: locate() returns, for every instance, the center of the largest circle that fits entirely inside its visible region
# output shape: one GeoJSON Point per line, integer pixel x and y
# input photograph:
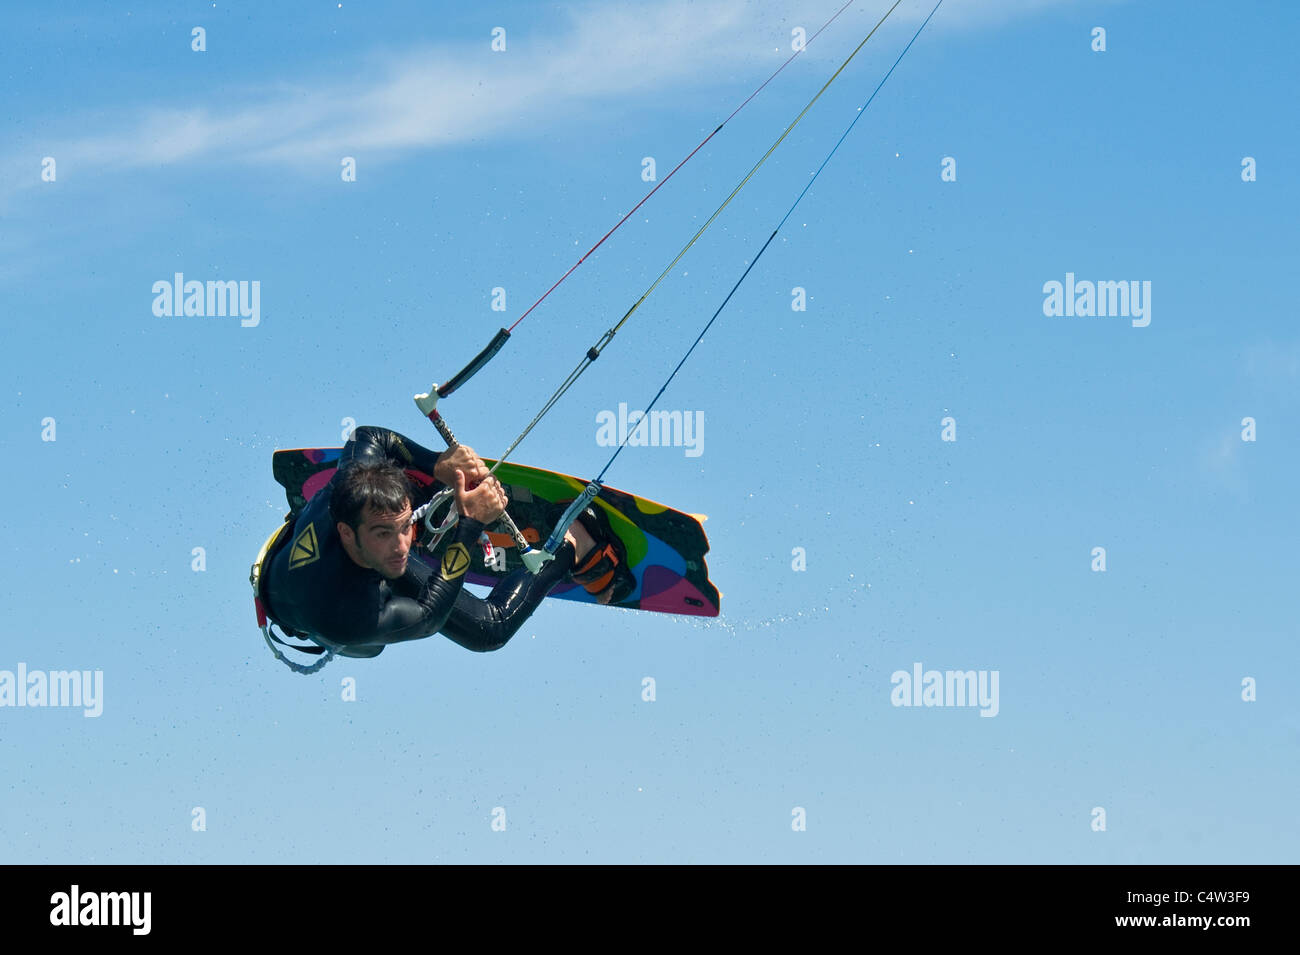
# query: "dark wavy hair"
{"type": "Point", "coordinates": [384, 487]}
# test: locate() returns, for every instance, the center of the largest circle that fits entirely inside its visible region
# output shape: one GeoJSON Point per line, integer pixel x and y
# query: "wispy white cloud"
{"type": "Point", "coordinates": [979, 14]}
{"type": "Point", "coordinates": [1272, 366]}
{"type": "Point", "coordinates": [1271, 371]}
{"type": "Point", "coordinates": [1220, 460]}
{"type": "Point", "coordinates": [599, 54]}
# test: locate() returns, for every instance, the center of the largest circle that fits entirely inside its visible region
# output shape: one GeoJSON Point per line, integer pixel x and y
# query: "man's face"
{"type": "Point", "coordinates": [385, 540]}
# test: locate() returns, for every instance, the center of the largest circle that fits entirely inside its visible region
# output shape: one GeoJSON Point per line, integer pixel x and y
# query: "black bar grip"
{"type": "Point", "coordinates": [470, 370]}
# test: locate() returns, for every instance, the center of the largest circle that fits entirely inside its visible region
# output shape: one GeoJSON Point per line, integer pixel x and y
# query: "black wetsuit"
{"type": "Point", "coordinates": [314, 587]}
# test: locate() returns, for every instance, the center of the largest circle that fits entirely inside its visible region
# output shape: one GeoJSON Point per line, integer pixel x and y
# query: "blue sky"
{"type": "Point", "coordinates": [1120, 690]}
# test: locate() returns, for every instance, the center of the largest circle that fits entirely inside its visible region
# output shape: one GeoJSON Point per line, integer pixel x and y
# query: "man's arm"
{"type": "Point", "coordinates": [418, 603]}
{"type": "Point", "coordinates": [373, 445]}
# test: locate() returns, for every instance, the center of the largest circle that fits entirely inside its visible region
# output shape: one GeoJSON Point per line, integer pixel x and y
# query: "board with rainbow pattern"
{"type": "Point", "coordinates": [665, 548]}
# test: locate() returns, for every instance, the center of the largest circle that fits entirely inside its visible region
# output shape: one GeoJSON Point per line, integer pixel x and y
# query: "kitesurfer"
{"type": "Point", "coordinates": [346, 577]}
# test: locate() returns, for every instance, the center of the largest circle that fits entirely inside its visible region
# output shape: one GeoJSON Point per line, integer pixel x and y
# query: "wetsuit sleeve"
{"type": "Point", "coordinates": [417, 605]}
{"type": "Point", "coordinates": [372, 445]}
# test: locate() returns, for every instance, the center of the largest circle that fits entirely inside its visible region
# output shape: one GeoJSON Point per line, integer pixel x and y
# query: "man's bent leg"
{"type": "Point", "coordinates": [487, 623]}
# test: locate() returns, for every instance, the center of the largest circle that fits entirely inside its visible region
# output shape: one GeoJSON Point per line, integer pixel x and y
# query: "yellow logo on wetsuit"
{"type": "Point", "coordinates": [455, 561]}
{"type": "Point", "coordinates": [304, 549]}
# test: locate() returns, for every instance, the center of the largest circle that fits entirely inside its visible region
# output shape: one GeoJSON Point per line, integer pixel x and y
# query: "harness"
{"type": "Point", "coordinates": [272, 546]}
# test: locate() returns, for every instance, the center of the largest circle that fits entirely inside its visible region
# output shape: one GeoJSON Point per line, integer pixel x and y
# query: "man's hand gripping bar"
{"type": "Point", "coordinates": [533, 559]}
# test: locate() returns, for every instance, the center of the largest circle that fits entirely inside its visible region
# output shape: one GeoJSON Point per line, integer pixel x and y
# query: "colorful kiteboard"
{"type": "Point", "coordinates": [665, 548]}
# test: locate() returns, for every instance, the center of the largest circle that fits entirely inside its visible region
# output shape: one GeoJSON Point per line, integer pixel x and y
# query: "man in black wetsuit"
{"type": "Point", "coordinates": [345, 575]}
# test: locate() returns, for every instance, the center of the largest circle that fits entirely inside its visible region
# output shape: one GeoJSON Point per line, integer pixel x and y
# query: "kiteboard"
{"type": "Point", "coordinates": [665, 548]}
